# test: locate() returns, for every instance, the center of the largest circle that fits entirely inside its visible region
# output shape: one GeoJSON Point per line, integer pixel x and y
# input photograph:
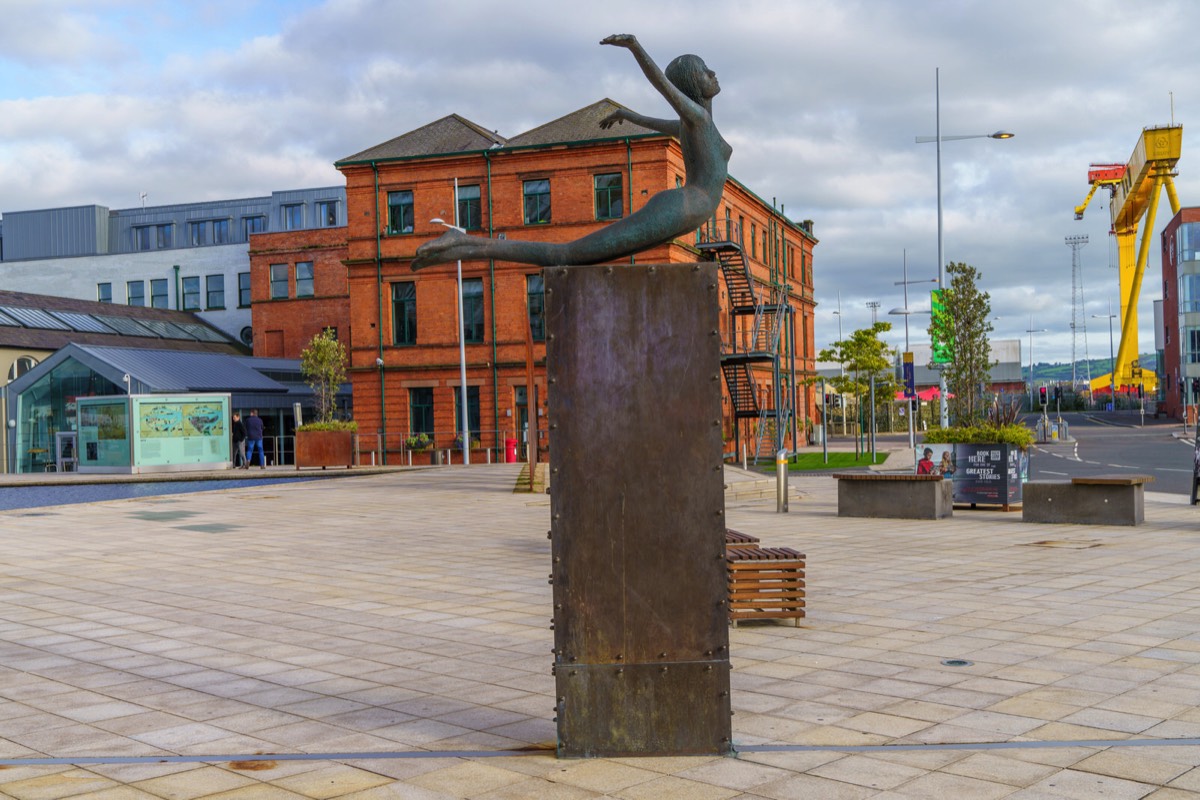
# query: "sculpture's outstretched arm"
{"type": "Point", "coordinates": [683, 105]}
{"type": "Point", "coordinates": [667, 126]}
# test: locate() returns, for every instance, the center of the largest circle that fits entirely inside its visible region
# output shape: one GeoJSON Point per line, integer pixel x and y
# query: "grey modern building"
{"type": "Point", "coordinates": [187, 257]}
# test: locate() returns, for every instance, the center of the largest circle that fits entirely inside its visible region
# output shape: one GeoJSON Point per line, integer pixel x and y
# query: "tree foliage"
{"type": "Point", "coordinates": [966, 325]}
{"type": "Point", "coordinates": [864, 355]}
{"type": "Point", "coordinates": [323, 364]}
{"type": "Point", "coordinates": [1014, 434]}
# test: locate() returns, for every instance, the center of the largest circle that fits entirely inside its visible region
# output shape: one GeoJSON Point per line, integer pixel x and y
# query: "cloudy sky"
{"type": "Point", "coordinates": [101, 100]}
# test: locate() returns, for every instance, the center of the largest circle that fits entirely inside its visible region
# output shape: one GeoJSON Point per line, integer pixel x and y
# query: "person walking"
{"type": "Point", "coordinates": [238, 430]}
{"type": "Point", "coordinates": [254, 438]}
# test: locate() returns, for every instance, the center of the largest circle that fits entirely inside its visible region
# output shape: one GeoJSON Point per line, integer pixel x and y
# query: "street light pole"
{"type": "Point", "coordinates": [462, 339]}
{"type": "Point", "coordinates": [1031, 331]}
{"type": "Point", "coordinates": [937, 92]}
{"type": "Point", "coordinates": [841, 366]}
{"type": "Point", "coordinates": [912, 443]}
{"type": "Point", "coordinates": [838, 314]}
{"type": "Point", "coordinates": [1112, 358]}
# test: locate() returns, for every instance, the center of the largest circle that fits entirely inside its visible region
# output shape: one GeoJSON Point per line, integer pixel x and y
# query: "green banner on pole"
{"type": "Point", "coordinates": [943, 349]}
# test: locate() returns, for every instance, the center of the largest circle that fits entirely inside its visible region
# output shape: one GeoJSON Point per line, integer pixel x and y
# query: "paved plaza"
{"type": "Point", "coordinates": [387, 636]}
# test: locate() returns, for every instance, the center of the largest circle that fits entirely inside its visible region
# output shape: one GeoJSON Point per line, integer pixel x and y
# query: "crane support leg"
{"type": "Point", "coordinates": [1127, 353]}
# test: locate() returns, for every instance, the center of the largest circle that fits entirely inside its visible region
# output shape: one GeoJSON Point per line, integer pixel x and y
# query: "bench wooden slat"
{"type": "Point", "coordinates": [772, 598]}
{"type": "Point", "coordinates": [738, 539]}
{"type": "Point", "coordinates": [733, 554]}
{"type": "Point", "coordinates": [768, 580]}
{"type": "Point", "coordinates": [884, 476]}
{"type": "Point", "coordinates": [762, 603]}
{"type": "Point", "coordinates": [1112, 480]}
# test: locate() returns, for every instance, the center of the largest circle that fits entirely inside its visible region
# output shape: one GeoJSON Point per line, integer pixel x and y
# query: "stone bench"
{"type": "Point", "coordinates": [897, 496]}
{"type": "Point", "coordinates": [1091, 500]}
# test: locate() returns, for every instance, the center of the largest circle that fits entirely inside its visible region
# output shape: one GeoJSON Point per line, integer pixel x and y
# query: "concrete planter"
{"type": "Point", "coordinates": [324, 449]}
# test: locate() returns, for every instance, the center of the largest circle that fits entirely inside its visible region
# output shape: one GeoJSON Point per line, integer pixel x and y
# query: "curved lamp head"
{"type": "Point", "coordinates": [444, 224]}
{"type": "Point", "coordinates": [1001, 135]}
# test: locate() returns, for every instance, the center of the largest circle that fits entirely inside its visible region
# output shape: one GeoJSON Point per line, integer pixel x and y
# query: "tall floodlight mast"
{"type": "Point", "coordinates": [1077, 316]}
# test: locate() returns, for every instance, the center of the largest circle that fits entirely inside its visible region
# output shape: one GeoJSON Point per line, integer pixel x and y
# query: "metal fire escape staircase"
{"type": "Point", "coordinates": [757, 316]}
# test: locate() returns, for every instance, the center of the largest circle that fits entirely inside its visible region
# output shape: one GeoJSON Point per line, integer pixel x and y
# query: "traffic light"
{"type": "Point", "coordinates": [1042, 395]}
{"type": "Point", "coordinates": [1141, 393]}
{"type": "Point", "coordinates": [1195, 389]}
{"type": "Point", "coordinates": [1058, 394]}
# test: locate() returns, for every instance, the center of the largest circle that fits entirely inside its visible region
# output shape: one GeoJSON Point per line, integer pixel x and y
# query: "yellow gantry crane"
{"type": "Point", "coordinates": [1134, 190]}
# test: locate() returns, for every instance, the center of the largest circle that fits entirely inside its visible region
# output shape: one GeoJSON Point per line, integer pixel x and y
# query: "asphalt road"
{"type": "Point", "coordinates": [1115, 443]}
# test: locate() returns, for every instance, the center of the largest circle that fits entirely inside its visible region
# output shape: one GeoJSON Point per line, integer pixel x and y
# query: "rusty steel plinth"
{"type": "Point", "coordinates": [641, 636]}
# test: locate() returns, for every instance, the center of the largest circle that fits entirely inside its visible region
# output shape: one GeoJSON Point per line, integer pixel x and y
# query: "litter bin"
{"type": "Point", "coordinates": [510, 451]}
{"type": "Point", "coordinates": [818, 434]}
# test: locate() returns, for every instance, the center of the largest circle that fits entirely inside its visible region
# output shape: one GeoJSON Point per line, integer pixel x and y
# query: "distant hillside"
{"type": "Point", "coordinates": [1054, 373]}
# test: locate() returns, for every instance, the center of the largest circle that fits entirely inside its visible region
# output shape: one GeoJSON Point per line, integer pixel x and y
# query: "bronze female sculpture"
{"type": "Point", "coordinates": [689, 86]}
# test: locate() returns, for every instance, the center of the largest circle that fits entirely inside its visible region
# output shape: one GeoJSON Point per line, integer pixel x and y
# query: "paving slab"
{"type": "Point", "coordinates": [387, 635]}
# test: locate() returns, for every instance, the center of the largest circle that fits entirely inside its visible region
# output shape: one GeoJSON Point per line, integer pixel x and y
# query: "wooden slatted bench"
{"type": "Point", "coordinates": [1088, 500]}
{"type": "Point", "coordinates": [894, 495]}
{"type": "Point", "coordinates": [765, 583]}
{"type": "Point", "coordinates": [738, 539]}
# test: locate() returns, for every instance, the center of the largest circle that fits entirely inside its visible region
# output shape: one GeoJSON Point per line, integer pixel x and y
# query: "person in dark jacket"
{"type": "Point", "coordinates": [254, 439]}
{"type": "Point", "coordinates": [238, 430]}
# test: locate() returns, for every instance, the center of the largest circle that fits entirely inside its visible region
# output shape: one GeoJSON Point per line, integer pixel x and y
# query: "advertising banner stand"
{"type": "Point", "coordinates": [983, 474]}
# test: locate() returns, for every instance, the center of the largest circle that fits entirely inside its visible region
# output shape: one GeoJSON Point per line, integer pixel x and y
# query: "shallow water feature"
{"type": "Point", "coordinates": [12, 497]}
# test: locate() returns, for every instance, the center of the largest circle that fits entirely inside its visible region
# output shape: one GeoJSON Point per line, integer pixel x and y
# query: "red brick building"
{"type": "Point", "coordinates": [1179, 361]}
{"type": "Point", "coordinates": [556, 182]}
{"type": "Point", "coordinates": [298, 288]}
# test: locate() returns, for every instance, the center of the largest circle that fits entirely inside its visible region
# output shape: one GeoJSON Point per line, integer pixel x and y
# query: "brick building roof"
{"type": "Point", "coordinates": [452, 134]}
{"type": "Point", "coordinates": [455, 134]}
{"type": "Point", "coordinates": [579, 126]}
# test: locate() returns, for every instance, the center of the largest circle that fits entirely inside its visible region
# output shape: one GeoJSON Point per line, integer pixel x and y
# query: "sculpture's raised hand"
{"type": "Point", "coordinates": [620, 40]}
{"type": "Point", "coordinates": [615, 118]}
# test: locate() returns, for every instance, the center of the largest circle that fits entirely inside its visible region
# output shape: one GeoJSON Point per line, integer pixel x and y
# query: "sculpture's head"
{"type": "Point", "coordinates": [690, 75]}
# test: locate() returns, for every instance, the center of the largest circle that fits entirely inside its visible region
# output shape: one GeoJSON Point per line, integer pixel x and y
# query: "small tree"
{"type": "Point", "coordinates": [966, 326]}
{"type": "Point", "coordinates": [864, 355]}
{"type": "Point", "coordinates": [323, 364]}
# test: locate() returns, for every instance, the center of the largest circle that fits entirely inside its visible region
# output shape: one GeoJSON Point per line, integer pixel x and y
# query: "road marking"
{"type": "Point", "coordinates": [1050, 472]}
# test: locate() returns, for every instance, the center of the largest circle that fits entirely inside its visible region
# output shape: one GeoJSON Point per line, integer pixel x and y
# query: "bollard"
{"type": "Point", "coordinates": [781, 482]}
